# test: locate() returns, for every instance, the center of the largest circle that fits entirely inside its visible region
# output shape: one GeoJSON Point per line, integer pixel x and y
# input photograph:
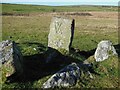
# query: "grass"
{"type": "Point", "coordinates": [36, 8]}
{"type": "Point", "coordinates": [31, 35]}
{"type": "Point", "coordinates": [108, 72]}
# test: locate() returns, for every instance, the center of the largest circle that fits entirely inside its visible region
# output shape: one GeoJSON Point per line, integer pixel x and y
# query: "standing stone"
{"type": "Point", "coordinates": [61, 33]}
{"type": "Point", "coordinates": [10, 58]}
{"type": "Point", "coordinates": [104, 50]}
{"type": "Point", "coordinates": [66, 77]}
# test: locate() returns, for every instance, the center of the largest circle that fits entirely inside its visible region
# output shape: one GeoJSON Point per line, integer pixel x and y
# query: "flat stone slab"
{"type": "Point", "coordinates": [104, 50]}
{"type": "Point", "coordinates": [61, 33]}
{"type": "Point", "coordinates": [66, 77]}
{"type": "Point", "coordinates": [10, 58]}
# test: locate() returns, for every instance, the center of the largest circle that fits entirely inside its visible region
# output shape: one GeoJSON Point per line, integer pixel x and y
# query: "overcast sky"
{"type": "Point", "coordinates": [104, 2]}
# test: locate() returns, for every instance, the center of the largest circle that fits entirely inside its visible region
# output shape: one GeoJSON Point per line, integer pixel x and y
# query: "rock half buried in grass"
{"type": "Point", "coordinates": [10, 58]}
{"type": "Point", "coordinates": [61, 33]}
{"type": "Point", "coordinates": [66, 77]}
{"type": "Point", "coordinates": [104, 50]}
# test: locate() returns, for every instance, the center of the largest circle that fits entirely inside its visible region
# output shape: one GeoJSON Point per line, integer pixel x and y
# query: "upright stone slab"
{"type": "Point", "coordinates": [10, 58]}
{"type": "Point", "coordinates": [61, 33]}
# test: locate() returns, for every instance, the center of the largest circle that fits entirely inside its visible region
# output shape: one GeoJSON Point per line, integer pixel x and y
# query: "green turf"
{"type": "Point", "coordinates": [13, 8]}
{"type": "Point", "coordinates": [32, 31]}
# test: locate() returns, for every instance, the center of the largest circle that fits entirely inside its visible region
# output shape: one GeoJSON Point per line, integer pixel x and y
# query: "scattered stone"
{"type": "Point", "coordinates": [61, 33]}
{"type": "Point", "coordinates": [77, 50]}
{"type": "Point", "coordinates": [86, 63]}
{"type": "Point", "coordinates": [90, 75]}
{"type": "Point", "coordinates": [10, 36]}
{"type": "Point", "coordinates": [34, 49]}
{"type": "Point", "coordinates": [104, 50]}
{"type": "Point", "coordinates": [10, 58]}
{"type": "Point", "coordinates": [66, 77]}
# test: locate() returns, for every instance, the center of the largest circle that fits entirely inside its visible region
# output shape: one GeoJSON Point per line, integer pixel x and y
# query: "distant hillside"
{"type": "Point", "coordinates": [19, 8]}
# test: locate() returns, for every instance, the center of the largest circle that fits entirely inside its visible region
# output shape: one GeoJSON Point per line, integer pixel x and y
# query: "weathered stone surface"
{"type": "Point", "coordinates": [66, 77]}
{"type": "Point", "coordinates": [10, 58]}
{"type": "Point", "coordinates": [104, 50]}
{"type": "Point", "coordinates": [61, 33]}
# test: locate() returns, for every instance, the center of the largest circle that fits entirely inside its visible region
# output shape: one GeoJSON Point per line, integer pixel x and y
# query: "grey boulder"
{"type": "Point", "coordinates": [104, 50]}
{"type": "Point", "coordinates": [10, 58]}
{"type": "Point", "coordinates": [66, 77]}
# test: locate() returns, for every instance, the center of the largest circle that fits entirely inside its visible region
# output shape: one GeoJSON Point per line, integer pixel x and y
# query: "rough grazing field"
{"type": "Point", "coordinates": [89, 30]}
{"type": "Point", "coordinates": [30, 32]}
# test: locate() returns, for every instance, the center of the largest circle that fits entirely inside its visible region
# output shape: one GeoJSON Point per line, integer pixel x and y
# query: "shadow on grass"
{"type": "Point", "coordinates": [35, 66]}
{"type": "Point", "coordinates": [117, 48]}
{"type": "Point", "coordinates": [85, 54]}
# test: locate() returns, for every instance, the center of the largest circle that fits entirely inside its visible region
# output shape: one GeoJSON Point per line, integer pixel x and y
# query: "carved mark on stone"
{"type": "Point", "coordinates": [59, 43]}
{"type": "Point", "coordinates": [57, 27]}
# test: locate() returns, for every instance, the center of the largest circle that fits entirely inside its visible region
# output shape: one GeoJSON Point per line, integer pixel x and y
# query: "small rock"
{"type": "Point", "coordinates": [90, 75]}
{"type": "Point", "coordinates": [10, 36]}
{"type": "Point", "coordinates": [34, 49]}
{"type": "Point", "coordinates": [104, 50]}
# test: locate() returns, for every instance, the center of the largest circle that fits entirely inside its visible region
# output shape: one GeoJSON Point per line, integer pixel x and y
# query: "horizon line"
{"type": "Point", "coordinates": [64, 3]}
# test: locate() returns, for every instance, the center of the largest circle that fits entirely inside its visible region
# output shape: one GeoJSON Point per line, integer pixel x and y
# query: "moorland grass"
{"type": "Point", "coordinates": [13, 8]}
{"type": "Point", "coordinates": [31, 35]}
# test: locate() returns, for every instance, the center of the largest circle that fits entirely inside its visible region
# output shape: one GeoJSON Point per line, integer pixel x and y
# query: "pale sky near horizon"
{"type": "Point", "coordinates": [59, 1]}
{"type": "Point", "coordinates": [64, 2]}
